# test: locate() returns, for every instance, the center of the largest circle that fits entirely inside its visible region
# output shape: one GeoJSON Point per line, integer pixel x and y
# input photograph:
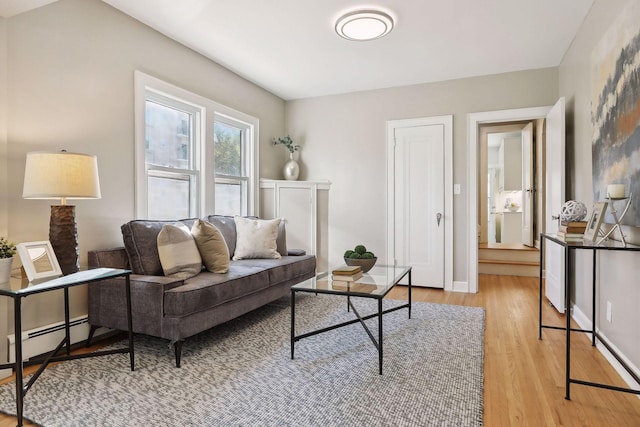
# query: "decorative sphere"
{"type": "Point", "coordinates": [573, 210]}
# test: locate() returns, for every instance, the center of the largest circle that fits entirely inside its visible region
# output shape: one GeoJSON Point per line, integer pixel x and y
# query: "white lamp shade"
{"type": "Point", "coordinates": [61, 175]}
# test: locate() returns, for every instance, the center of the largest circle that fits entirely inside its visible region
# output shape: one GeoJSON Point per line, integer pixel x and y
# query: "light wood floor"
{"type": "Point", "coordinates": [523, 376]}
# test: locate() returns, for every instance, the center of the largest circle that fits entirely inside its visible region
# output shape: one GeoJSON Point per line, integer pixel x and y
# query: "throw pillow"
{"type": "Point", "coordinates": [212, 246]}
{"type": "Point", "coordinates": [281, 240]}
{"type": "Point", "coordinates": [178, 252]}
{"type": "Point", "coordinates": [256, 238]}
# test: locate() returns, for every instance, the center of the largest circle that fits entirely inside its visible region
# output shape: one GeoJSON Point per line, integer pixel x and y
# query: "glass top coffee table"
{"type": "Point", "coordinates": [374, 284]}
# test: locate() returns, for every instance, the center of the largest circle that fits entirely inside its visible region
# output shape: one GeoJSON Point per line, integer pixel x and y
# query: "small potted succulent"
{"type": "Point", "coordinates": [360, 256]}
{"type": "Point", "coordinates": [7, 251]}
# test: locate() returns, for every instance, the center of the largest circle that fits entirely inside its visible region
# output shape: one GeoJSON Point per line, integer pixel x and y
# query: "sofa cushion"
{"type": "Point", "coordinates": [283, 269]}
{"type": "Point", "coordinates": [227, 227]}
{"type": "Point", "coordinates": [212, 246]}
{"type": "Point", "coordinates": [256, 238]}
{"type": "Point", "coordinates": [178, 252]}
{"type": "Point", "coordinates": [141, 243]}
{"type": "Point", "coordinates": [207, 290]}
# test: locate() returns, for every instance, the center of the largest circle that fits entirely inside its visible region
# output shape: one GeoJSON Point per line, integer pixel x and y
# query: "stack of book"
{"type": "Point", "coordinates": [572, 231]}
{"type": "Point", "coordinates": [346, 274]}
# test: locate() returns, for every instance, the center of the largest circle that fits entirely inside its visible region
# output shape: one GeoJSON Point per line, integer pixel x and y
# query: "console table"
{"type": "Point", "coordinates": [594, 247]}
{"type": "Point", "coordinates": [18, 289]}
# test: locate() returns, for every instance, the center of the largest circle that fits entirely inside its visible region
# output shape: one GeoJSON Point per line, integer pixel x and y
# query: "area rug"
{"type": "Point", "coordinates": [241, 374]}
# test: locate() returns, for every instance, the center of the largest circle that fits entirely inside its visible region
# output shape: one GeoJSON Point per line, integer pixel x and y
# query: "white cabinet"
{"type": "Point", "coordinates": [511, 230]}
{"type": "Point", "coordinates": [304, 205]}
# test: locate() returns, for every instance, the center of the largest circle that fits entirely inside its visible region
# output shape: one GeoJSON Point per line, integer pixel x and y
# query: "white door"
{"type": "Point", "coordinates": [419, 202]}
{"type": "Point", "coordinates": [554, 198]}
{"type": "Point", "coordinates": [527, 185]}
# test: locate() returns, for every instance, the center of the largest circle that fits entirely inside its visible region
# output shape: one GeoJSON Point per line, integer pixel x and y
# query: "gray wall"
{"type": "Point", "coordinates": [3, 127]}
{"type": "Point", "coordinates": [618, 272]}
{"type": "Point", "coordinates": [70, 85]}
{"type": "Point", "coordinates": [344, 141]}
{"type": "Point", "coordinates": [3, 172]}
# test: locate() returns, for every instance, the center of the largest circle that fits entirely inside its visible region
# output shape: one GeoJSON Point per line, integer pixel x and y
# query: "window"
{"type": "Point", "coordinates": [194, 157]}
{"type": "Point", "coordinates": [171, 158]}
{"type": "Point", "coordinates": [230, 175]}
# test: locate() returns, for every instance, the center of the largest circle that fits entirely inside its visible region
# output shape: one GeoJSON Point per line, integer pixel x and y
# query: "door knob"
{"type": "Point", "coordinates": [438, 218]}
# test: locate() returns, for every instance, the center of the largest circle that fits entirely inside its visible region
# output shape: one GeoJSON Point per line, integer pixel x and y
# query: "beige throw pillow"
{"type": "Point", "coordinates": [256, 238]}
{"type": "Point", "coordinates": [212, 246]}
{"type": "Point", "coordinates": [178, 252]}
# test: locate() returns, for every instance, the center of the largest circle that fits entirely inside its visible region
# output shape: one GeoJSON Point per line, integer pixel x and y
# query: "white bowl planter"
{"type": "Point", "coordinates": [5, 269]}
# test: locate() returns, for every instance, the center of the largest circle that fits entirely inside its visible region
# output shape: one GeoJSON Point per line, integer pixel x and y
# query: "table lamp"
{"type": "Point", "coordinates": [62, 175]}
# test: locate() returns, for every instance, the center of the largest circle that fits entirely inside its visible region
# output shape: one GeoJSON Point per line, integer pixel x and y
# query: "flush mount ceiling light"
{"type": "Point", "coordinates": [362, 25]}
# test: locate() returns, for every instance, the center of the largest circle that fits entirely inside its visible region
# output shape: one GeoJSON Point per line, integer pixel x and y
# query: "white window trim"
{"type": "Point", "coordinates": [144, 83]}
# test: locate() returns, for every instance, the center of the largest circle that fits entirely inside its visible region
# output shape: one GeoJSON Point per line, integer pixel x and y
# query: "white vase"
{"type": "Point", "coordinates": [5, 269]}
{"type": "Point", "coordinates": [291, 169]}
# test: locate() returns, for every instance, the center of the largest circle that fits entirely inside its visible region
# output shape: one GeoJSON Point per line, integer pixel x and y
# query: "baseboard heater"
{"type": "Point", "coordinates": [45, 339]}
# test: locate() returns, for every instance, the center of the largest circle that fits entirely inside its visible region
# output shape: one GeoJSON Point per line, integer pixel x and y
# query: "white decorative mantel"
{"type": "Point", "coordinates": [304, 205]}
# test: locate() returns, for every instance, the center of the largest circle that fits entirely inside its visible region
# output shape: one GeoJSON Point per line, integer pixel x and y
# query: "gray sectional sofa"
{"type": "Point", "coordinates": [175, 309]}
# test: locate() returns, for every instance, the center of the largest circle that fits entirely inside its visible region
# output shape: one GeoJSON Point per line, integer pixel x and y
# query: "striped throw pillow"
{"type": "Point", "coordinates": [178, 252]}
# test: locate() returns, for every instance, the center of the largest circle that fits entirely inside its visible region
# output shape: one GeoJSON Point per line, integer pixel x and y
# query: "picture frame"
{"type": "Point", "coordinates": [39, 261]}
{"type": "Point", "coordinates": [595, 220]}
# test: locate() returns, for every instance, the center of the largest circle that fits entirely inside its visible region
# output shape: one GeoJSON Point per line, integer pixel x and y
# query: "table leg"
{"type": "Point", "coordinates": [542, 238]}
{"type": "Point", "coordinates": [67, 327]}
{"type": "Point", "coordinates": [293, 321]}
{"type": "Point", "coordinates": [593, 301]}
{"type": "Point", "coordinates": [380, 335]}
{"type": "Point", "coordinates": [17, 314]}
{"type": "Point", "coordinates": [409, 297]}
{"type": "Point", "coordinates": [130, 321]}
{"type": "Point", "coordinates": [567, 313]}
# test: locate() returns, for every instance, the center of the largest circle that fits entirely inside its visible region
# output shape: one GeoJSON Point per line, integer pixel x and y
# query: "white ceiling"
{"type": "Point", "coordinates": [289, 47]}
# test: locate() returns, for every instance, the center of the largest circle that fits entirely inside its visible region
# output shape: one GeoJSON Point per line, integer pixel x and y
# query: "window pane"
{"type": "Point", "coordinates": [228, 199]}
{"type": "Point", "coordinates": [167, 136]}
{"type": "Point", "coordinates": [228, 149]}
{"type": "Point", "coordinates": [168, 197]}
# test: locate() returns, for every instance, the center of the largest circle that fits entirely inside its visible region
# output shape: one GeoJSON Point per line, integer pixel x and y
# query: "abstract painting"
{"type": "Point", "coordinates": [615, 112]}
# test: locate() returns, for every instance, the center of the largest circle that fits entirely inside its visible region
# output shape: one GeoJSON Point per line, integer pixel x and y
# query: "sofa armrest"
{"type": "Point", "coordinates": [107, 302]}
{"type": "Point", "coordinates": [162, 282]}
{"type": "Point", "coordinates": [296, 252]}
{"type": "Point", "coordinates": [112, 258]}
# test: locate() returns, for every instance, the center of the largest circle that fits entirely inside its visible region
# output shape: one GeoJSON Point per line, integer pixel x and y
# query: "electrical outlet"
{"type": "Point", "coordinates": [609, 311]}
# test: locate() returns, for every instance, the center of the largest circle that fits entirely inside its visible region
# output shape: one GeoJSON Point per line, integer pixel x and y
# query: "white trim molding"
{"type": "Point", "coordinates": [209, 112]}
{"type": "Point", "coordinates": [474, 120]}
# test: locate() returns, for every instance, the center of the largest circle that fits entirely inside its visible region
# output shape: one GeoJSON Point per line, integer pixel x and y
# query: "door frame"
{"type": "Point", "coordinates": [447, 122]}
{"type": "Point", "coordinates": [474, 120]}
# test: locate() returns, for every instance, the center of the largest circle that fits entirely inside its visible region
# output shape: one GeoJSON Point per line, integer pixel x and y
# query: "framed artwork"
{"type": "Point", "coordinates": [615, 94]}
{"type": "Point", "coordinates": [593, 226]}
{"type": "Point", "coordinates": [39, 261]}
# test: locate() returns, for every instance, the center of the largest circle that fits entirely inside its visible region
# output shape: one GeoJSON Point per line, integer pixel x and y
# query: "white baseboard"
{"type": "Point", "coordinates": [460, 287]}
{"type": "Point", "coordinates": [585, 323]}
{"type": "Point", "coordinates": [45, 339]}
{"type": "Point", "coordinates": [5, 373]}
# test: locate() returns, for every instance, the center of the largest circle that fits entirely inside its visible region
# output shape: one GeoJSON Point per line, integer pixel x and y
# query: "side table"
{"type": "Point", "coordinates": [19, 289]}
{"type": "Point", "coordinates": [609, 245]}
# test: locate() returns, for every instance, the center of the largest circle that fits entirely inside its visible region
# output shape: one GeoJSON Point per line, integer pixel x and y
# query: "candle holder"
{"type": "Point", "coordinates": [617, 219]}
